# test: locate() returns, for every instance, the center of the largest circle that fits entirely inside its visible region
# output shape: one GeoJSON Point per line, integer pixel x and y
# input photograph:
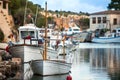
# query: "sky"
{"type": "Point", "coordinates": [89, 6]}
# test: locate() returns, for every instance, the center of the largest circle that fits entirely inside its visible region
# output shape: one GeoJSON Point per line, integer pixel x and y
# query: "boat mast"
{"type": "Point", "coordinates": [45, 50]}
{"type": "Point", "coordinates": [64, 47]}
{"type": "Point", "coordinates": [36, 14]}
{"type": "Point", "coordinates": [25, 13]}
{"type": "Point", "coordinates": [64, 38]}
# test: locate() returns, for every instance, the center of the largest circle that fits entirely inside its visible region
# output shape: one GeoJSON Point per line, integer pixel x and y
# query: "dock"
{"type": "Point", "coordinates": [82, 37]}
{"type": "Point", "coordinates": [9, 66]}
{"type": "Point", "coordinates": [8, 69]}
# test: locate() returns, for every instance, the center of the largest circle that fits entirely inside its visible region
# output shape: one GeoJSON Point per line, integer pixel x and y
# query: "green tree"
{"type": "Point", "coordinates": [50, 20]}
{"type": "Point", "coordinates": [19, 16]}
{"type": "Point", "coordinates": [17, 9]}
{"type": "Point", "coordinates": [40, 21]}
{"type": "Point", "coordinates": [84, 22]}
{"type": "Point", "coordinates": [114, 4]}
{"type": "Point", "coordinates": [14, 5]}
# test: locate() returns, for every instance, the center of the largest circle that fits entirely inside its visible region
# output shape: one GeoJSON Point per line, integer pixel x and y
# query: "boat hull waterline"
{"type": "Point", "coordinates": [29, 52]}
{"type": "Point", "coordinates": [107, 40]}
{"type": "Point", "coordinates": [50, 67]}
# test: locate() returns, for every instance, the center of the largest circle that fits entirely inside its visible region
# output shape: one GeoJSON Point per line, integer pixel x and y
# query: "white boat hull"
{"type": "Point", "coordinates": [50, 67]}
{"type": "Point", "coordinates": [30, 52]}
{"type": "Point", "coordinates": [106, 40]}
{"type": "Point", "coordinates": [56, 77]}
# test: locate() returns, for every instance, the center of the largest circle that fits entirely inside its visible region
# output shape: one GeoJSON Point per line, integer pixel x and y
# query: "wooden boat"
{"type": "Point", "coordinates": [47, 66]}
{"type": "Point", "coordinates": [50, 67]}
{"type": "Point", "coordinates": [113, 37]}
{"type": "Point", "coordinates": [29, 52]}
{"type": "Point", "coordinates": [106, 40]}
{"type": "Point", "coordinates": [30, 44]}
{"type": "Point", "coordinates": [29, 47]}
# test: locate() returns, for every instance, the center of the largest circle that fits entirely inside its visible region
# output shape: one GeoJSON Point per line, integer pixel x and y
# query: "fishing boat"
{"type": "Point", "coordinates": [113, 37]}
{"type": "Point", "coordinates": [30, 43]}
{"type": "Point", "coordinates": [47, 66]}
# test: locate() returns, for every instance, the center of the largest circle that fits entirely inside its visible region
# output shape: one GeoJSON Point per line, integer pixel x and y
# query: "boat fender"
{"type": "Point", "coordinates": [28, 37]}
{"type": "Point", "coordinates": [69, 77]}
{"type": "Point", "coordinates": [7, 49]}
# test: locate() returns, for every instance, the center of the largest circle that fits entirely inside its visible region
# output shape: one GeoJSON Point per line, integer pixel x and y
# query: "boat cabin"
{"type": "Point", "coordinates": [29, 34]}
{"type": "Point", "coordinates": [72, 30]}
{"type": "Point", "coordinates": [28, 30]}
{"type": "Point", "coordinates": [42, 32]}
{"type": "Point", "coordinates": [116, 31]}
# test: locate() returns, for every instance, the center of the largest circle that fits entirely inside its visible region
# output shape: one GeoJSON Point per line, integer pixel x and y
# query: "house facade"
{"type": "Point", "coordinates": [106, 19]}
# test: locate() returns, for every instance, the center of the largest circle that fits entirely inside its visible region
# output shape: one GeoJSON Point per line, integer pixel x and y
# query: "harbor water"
{"type": "Point", "coordinates": [91, 61]}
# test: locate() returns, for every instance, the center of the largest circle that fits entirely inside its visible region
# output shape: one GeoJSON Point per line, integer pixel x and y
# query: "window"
{"type": "Point", "coordinates": [76, 30]}
{"type": "Point", "coordinates": [27, 33]}
{"type": "Point", "coordinates": [70, 29]}
{"type": "Point", "coordinates": [99, 19]}
{"type": "Point", "coordinates": [104, 20]}
{"type": "Point", "coordinates": [114, 21]}
{"type": "Point", "coordinates": [94, 20]}
{"type": "Point", "coordinates": [4, 5]}
{"type": "Point", "coordinates": [114, 31]}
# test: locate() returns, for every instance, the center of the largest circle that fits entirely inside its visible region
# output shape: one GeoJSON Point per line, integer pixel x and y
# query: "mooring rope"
{"type": "Point", "coordinates": [28, 72]}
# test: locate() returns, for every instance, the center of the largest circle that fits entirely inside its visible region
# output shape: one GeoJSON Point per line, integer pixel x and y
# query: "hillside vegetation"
{"type": "Point", "coordinates": [17, 9]}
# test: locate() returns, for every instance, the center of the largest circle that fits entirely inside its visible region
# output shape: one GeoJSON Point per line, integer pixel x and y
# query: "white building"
{"type": "Point", "coordinates": [106, 19]}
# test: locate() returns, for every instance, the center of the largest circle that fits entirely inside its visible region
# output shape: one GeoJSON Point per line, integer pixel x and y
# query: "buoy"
{"type": "Point", "coordinates": [69, 77]}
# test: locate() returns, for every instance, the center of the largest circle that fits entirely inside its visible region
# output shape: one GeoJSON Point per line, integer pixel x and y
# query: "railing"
{"type": "Point", "coordinates": [32, 39]}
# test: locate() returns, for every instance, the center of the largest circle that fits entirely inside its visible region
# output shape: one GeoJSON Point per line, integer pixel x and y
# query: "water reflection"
{"type": "Point", "coordinates": [96, 64]}
{"type": "Point", "coordinates": [105, 58]}
{"type": "Point", "coordinates": [98, 58]}
{"type": "Point", "coordinates": [92, 64]}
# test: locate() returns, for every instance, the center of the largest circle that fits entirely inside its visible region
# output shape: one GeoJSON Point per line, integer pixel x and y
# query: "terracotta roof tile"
{"type": "Point", "coordinates": [107, 12]}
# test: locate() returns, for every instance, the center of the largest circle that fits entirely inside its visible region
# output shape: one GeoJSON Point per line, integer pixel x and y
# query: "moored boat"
{"type": "Point", "coordinates": [113, 37]}
{"type": "Point", "coordinates": [106, 40]}
{"type": "Point", "coordinates": [50, 67]}
{"type": "Point", "coordinates": [47, 66]}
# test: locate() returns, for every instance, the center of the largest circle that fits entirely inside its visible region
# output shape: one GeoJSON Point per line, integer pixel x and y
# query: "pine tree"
{"type": "Point", "coordinates": [115, 4]}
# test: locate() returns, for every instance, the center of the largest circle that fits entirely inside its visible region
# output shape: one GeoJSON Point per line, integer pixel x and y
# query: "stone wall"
{"type": "Point", "coordinates": [6, 21]}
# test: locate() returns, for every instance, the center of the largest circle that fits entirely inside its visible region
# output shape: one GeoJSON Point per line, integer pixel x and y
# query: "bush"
{"type": "Point", "coordinates": [1, 35]}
